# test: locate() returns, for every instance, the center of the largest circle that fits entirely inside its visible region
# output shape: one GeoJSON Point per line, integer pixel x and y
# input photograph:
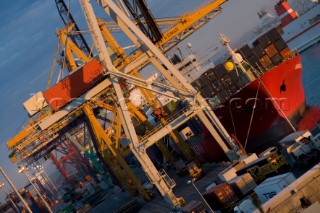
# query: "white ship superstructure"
{"type": "Point", "coordinates": [303, 31]}
{"type": "Point", "coordinates": [300, 26]}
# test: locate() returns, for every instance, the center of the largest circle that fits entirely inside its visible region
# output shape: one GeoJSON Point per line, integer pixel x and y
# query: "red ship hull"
{"type": "Point", "coordinates": [261, 128]}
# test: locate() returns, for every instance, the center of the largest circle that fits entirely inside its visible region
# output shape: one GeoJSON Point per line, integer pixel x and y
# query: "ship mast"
{"type": "Point", "coordinates": [225, 42]}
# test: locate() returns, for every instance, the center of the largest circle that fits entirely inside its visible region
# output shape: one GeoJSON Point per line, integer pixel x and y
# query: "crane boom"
{"type": "Point", "coordinates": [188, 20]}
{"type": "Point", "coordinates": [152, 30]}
{"type": "Point", "coordinates": [137, 58]}
{"type": "Point", "coordinates": [137, 145]}
{"type": "Point", "coordinates": [67, 19]}
{"type": "Point", "coordinates": [148, 53]}
{"type": "Point", "coordinates": [162, 22]}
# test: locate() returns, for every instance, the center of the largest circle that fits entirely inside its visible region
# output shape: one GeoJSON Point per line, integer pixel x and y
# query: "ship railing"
{"type": "Point", "coordinates": [300, 199]}
{"type": "Point", "coordinates": [168, 119]}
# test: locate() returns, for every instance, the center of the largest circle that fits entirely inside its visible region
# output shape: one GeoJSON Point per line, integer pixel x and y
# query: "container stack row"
{"type": "Point", "coordinates": [219, 85]}
{"type": "Point", "coordinates": [268, 50]}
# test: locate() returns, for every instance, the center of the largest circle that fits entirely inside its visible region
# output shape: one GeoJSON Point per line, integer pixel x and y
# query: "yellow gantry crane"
{"type": "Point", "coordinates": [36, 135]}
{"type": "Point", "coordinates": [178, 83]}
{"type": "Point", "coordinates": [121, 60]}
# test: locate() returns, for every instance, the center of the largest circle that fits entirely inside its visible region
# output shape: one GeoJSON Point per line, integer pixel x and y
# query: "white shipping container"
{"type": "Point", "coordinates": [244, 183]}
{"type": "Point", "coordinates": [250, 158]}
{"type": "Point", "coordinates": [227, 174]}
{"type": "Point", "coordinates": [245, 206]}
{"type": "Point", "coordinates": [35, 103]}
{"type": "Point", "coordinates": [272, 186]}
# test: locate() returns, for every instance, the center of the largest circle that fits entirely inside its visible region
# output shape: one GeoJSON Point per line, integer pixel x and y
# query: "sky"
{"type": "Point", "coordinates": [28, 43]}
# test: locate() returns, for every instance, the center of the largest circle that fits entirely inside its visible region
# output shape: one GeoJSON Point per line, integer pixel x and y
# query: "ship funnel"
{"type": "Point", "coordinates": [285, 12]}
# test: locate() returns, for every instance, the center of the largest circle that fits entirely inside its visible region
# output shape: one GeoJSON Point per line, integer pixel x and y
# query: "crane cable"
{"type": "Point", "coordinates": [66, 42]}
{"type": "Point", "coordinates": [254, 107]}
{"type": "Point", "coordinates": [52, 67]}
{"type": "Point", "coordinates": [233, 124]}
{"type": "Point", "coordinates": [234, 127]}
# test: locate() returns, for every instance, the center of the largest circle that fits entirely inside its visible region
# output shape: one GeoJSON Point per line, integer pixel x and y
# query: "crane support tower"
{"type": "Point", "coordinates": [197, 105]}
{"type": "Point", "coordinates": [41, 136]}
{"type": "Point", "coordinates": [67, 19]}
{"type": "Point", "coordinates": [152, 30]}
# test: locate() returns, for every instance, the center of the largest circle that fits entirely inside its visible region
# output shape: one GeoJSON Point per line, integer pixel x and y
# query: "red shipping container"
{"type": "Point", "coordinates": [271, 50]}
{"type": "Point", "coordinates": [74, 85]}
{"type": "Point", "coordinates": [265, 61]}
{"type": "Point", "coordinates": [286, 53]}
{"type": "Point", "coordinates": [221, 196]}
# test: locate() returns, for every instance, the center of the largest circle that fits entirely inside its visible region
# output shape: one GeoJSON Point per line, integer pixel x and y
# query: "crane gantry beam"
{"type": "Point", "coordinates": [135, 61]}
{"type": "Point", "coordinates": [162, 22]}
{"type": "Point", "coordinates": [68, 20]}
{"type": "Point", "coordinates": [129, 65]}
{"type": "Point", "coordinates": [159, 178]}
{"type": "Point", "coordinates": [190, 20]}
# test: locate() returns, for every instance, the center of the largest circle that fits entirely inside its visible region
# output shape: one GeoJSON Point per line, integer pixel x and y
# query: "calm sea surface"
{"type": "Point", "coordinates": [311, 83]}
{"type": "Point", "coordinates": [311, 74]}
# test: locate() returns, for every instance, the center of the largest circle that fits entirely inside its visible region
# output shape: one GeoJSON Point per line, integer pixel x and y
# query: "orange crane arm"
{"type": "Point", "coordinates": [188, 20]}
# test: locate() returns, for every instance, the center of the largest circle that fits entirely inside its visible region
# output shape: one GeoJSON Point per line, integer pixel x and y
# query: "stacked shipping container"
{"type": "Point", "coordinates": [268, 50]}
{"type": "Point", "coordinates": [74, 85]}
{"type": "Point", "coordinates": [272, 44]}
{"type": "Point", "coordinates": [243, 185]}
{"type": "Point", "coordinates": [219, 85]}
{"type": "Point", "coordinates": [221, 197]}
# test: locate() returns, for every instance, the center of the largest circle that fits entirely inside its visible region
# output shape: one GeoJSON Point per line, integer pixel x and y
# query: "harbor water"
{"type": "Point", "coordinates": [311, 83]}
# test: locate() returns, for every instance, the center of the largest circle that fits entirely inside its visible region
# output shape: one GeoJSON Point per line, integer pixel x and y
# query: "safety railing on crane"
{"type": "Point", "coordinates": [170, 182]}
{"type": "Point", "coordinates": [168, 120]}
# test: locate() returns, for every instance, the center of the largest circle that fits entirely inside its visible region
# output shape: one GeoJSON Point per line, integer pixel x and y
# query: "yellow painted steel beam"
{"type": "Point", "coordinates": [114, 45]}
{"type": "Point", "coordinates": [70, 47]}
{"type": "Point", "coordinates": [18, 138]}
{"type": "Point", "coordinates": [102, 138]}
{"type": "Point", "coordinates": [134, 111]}
{"type": "Point", "coordinates": [113, 27]}
{"type": "Point", "coordinates": [188, 20]}
{"type": "Point", "coordinates": [118, 131]}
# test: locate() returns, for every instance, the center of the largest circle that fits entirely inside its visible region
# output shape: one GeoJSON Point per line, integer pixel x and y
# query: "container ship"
{"type": "Point", "coordinates": [300, 29]}
{"type": "Point", "coordinates": [277, 93]}
{"type": "Point", "coordinates": [259, 112]}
